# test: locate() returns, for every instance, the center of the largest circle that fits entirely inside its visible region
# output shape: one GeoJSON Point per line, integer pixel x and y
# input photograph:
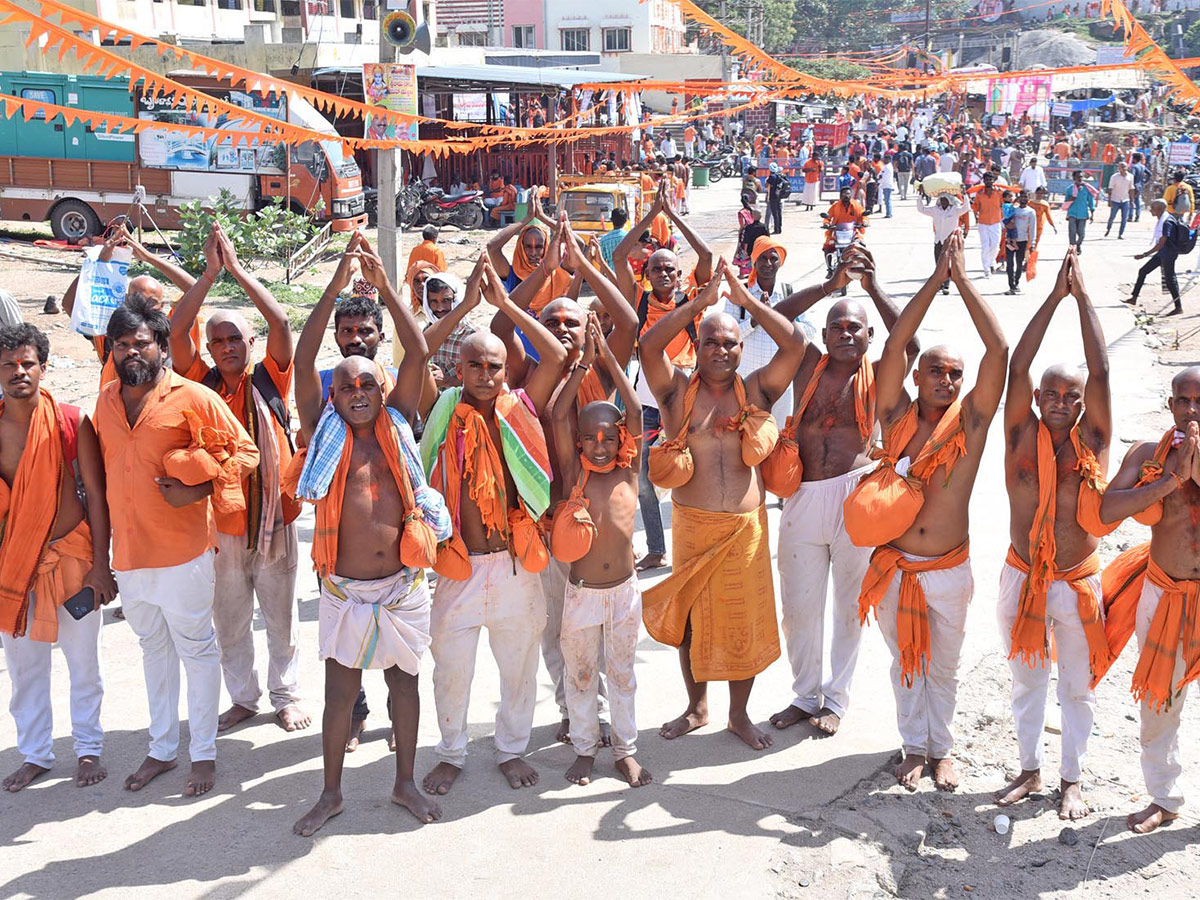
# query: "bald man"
{"type": "Point", "coordinates": [937, 441]}
{"type": "Point", "coordinates": [566, 320]}
{"type": "Point", "coordinates": [832, 421]}
{"type": "Point", "coordinates": [1159, 484]}
{"type": "Point", "coordinates": [718, 604]}
{"type": "Point", "coordinates": [1057, 438]}
{"type": "Point", "coordinates": [257, 549]}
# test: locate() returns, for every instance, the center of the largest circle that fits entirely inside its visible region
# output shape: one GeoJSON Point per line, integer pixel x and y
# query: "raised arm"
{"type": "Point", "coordinates": [168, 269]}
{"type": "Point", "coordinates": [624, 318]}
{"type": "Point", "coordinates": [704, 256]}
{"type": "Point", "coordinates": [279, 330]}
{"type": "Point", "coordinates": [183, 349]}
{"type": "Point", "coordinates": [1097, 394]}
{"type": "Point", "coordinates": [625, 277]}
{"type": "Point", "coordinates": [889, 312]}
{"type": "Point", "coordinates": [1017, 405]}
{"type": "Point", "coordinates": [309, 401]}
{"type": "Point", "coordinates": [629, 397]}
{"type": "Point", "coordinates": [551, 353]}
{"type": "Point", "coordinates": [660, 372]}
{"type": "Point", "coordinates": [776, 376]}
{"type": "Point", "coordinates": [984, 398]}
{"type": "Point", "coordinates": [560, 414]}
{"type": "Point", "coordinates": [495, 245]}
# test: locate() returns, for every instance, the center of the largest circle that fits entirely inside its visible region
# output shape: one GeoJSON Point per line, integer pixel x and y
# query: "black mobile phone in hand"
{"type": "Point", "coordinates": [81, 604]}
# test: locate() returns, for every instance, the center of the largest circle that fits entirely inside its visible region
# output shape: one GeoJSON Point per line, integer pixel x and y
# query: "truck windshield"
{"type": "Point", "coordinates": [334, 150]}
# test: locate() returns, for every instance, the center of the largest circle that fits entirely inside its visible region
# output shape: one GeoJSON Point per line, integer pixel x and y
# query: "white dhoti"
{"type": "Point", "coordinates": [29, 670]}
{"type": "Point", "coordinates": [812, 193]}
{"type": "Point", "coordinates": [1031, 684]}
{"type": "Point", "coordinates": [812, 543]}
{"type": "Point", "coordinates": [376, 623]}
{"type": "Point", "coordinates": [170, 610]}
{"type": "Point", "coordinates": [507, 600]}
{"type": "Point", "coordinates": [1161, 766]}
{"type": "Point", "coordinates": [601, 625]}
{"type": "Point", "coordinates": [554, 588]}
{"type": "Point", "coordinates": [925, 711]}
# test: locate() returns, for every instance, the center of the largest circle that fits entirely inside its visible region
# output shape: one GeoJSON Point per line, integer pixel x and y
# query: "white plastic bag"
{"type": "Point", "coordinates": [101, 290]}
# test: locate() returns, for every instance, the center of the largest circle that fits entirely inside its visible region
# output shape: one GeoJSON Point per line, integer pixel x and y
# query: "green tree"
{"type": "Point", "coordinates": [778, 19]}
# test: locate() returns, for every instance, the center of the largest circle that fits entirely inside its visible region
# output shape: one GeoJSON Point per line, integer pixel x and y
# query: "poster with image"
{"type": "Point", "coordinates": [1017, 96]}
{"type": "Point", "coordinates": [392, 86]}
{"type": "Point", "coordinates": [162, 149]}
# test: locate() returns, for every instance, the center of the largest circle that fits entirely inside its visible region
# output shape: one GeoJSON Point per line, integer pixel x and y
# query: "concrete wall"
{"type": "Point", "coordinates": [526, 12]}
{"type": "Point", "coordinates": [654, 26]}
{"type": "Point", "coordinates": [663, 67]}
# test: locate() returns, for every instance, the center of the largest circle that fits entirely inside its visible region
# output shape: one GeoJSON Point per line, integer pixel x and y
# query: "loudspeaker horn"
{"type": "Point", "coordinates": [400, 29]}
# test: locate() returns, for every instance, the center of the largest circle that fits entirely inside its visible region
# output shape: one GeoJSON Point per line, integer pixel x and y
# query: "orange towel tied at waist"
{"type": "Point", "coordinates": [60, 574]}
{"type": "Point", "coordinates": [911, 612]}
{"type": "Point", "coordinates": [721, 586]}
{"type": "Point", "coordinates": [1121, 585]}
{"type": "Point", "coordinates": [1176, 622]}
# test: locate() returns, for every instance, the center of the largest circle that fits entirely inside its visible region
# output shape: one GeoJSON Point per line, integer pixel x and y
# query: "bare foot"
{"type": "Point", "coordinates": [788, 716]}
{"type": "Point", "coordinates": [90, 771]}
{"type": "Point", "coordinates": [392, 741]}
{"type": "Point", "coordinates": [581, 770]}
{"type": "Point", "coordinates": [563, 735]}
{"type": "Point", "coordinates": [1020, 787]}
{"type": "Point", "coordinates": [1149, 818]}
{"type": "Point", "coordinates": [119, 613]}
{"type": "Point", "coordinates": [689, 721]}
{"type": "Point", "coordinates": [406, 794]}
{"type": "Point", "coordinates": [755, 738]}
{"type": "Point", "coordinates": [441, 778]}
{"type": "Point", "coordinates": [605, 734]}
{"type": "Point", "coordinates": [150, 769]}
{"type": "Point", "coordinates": [908, 772]}
{"type": "Point", "coordinates": [944, 776]}
{"type": "Point", "coordinates": [633, 772]}
{"type": "Point", "coordinates": [357, 726]}
{"type": "Point", "coordinates": [202, 778]}
{"type": "Point", "coordinates": [519, 773]}
{"type": "Point", "coordinates": [826, 721]}
{"type": "Point", "coordinates": [1071, 804]}
{"type": "Point", "coordinates": [327, 806]}
{"type": "Point", "coordinates": [23, 776]}
{"type": "Point", "coordinates": [292, 718]}
{"type": "Point", "coordinates": [651, 561]}
{"type": "Point", "coordinates": [235, 715]}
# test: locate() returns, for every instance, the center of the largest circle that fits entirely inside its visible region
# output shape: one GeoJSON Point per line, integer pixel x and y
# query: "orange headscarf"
{"type": "Point", "coordinates": [553, 287]}
{"type": "Point", "coordinates": [761, 246]}
{"type": "Point", "coordinates": [414, 296]}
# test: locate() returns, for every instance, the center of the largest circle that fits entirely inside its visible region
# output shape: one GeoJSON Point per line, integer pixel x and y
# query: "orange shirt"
{"type": "Point", "coordinates": [648, 187]}
{"type": "Point", "coordinates": [758, 142]}
{"type": "Point", "coordinates": [149, 533]}
{"type": "Point", "coordinates": [841, 214]}
{"type": "Point", "coordinates": [689, 134]}
{"type": "Point", "coordinates": [426, 251]}
{"type": "Point", "coordinates": [1110, 154]}
{"type": "Point", "coordinates": [988, 206]}
{"type": "Point", "coordinates": [234, 522]}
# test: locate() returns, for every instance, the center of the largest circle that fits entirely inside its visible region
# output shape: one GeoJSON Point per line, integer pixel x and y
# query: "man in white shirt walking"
{"type": "Point", "coordinates": [946, 214]}
{"type": "Point", "coordinates": [667, 147]}
{"type": "Point", "coordinates": [1032, 177]}
{"type": "Point", "coordinates": [1120, 188]}
{"type": "Point", "coordinates": [947, 161]}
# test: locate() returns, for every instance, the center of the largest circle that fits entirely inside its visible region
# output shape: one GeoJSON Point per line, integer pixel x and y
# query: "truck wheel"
{"type": "Point", "coordinates": [73, 220]}
{"type": "Point", "coordinates": [469, 217]}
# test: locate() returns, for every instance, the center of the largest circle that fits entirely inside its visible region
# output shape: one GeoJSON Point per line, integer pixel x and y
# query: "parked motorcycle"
{"type": "Point", "coordinates": [464, 210]}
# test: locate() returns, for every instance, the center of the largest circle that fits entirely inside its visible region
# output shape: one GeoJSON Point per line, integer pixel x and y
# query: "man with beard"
{"type": "Point", "coordinates": [256, 546]}
{"type": "Point", "coordinates": [1159, 485]}
{"type": "Point", "coordinates": [174, 454]}
{"type": "Point", "coordinates": [52, 549]}
{"type": "Point", "coordinates": [718, 604]}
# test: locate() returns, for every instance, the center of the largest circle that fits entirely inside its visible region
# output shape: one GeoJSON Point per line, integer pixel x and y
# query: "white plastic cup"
{"type": "Point", "coordinates": [1001, 823]}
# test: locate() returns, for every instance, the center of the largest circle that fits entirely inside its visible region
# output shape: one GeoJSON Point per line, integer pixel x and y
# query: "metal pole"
{"type": "Point", "coordinates": [927, 26]}
{"type": "Point", "coordinates": [387, 182]}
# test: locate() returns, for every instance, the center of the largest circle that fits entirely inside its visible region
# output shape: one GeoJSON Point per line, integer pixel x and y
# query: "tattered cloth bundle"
{"type": "Point", "coordinates": [942, 183]}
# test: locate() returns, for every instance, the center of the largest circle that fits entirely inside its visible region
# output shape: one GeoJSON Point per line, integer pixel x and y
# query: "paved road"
{"type": "Point", "coordinates": [710, 825]}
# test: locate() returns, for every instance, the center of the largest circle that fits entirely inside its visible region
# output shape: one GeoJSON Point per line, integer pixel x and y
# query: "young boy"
{"type": "Point", "coordinates": [602, 610]}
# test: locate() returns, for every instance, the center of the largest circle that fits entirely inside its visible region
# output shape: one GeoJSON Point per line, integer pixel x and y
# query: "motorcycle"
{"type": "Point", "coordinates": [838, 241]}
{"type": "Point", "coordinates": [719, 165]}
{"type": "Point", "coordinates": [464, 210]}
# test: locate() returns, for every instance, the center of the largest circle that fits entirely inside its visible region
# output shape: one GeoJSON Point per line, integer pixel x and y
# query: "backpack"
{"type": "Point", "coordinates": [785, 189]}
{"type": "Point", "coordinates": [1183, 238]}
{"type": "Point", "coordinates": [260, 379]}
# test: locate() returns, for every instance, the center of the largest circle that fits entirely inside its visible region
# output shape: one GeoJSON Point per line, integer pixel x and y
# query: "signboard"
{"type": "Point", "coordinates": [1111, 56]}
{"type": "Point", "coordinates": [163, 149]}
{"type": "Point", "coordinates": [1058, 178]}
{"type": "Point", "coordinates": [908, 17]}
{"type": "Point", "coordinates": [392, 86]}
{"type": "Point", "coordinates": [1181, 153]}
{"type": "Point", "coordinates": [470, 107]}
{"type": "Point", "coordinates": [831, 134]}
{"type": "Point", "coordinates": [1062, 110]}
{"type": "Point", "coordinates": [1018, 96]}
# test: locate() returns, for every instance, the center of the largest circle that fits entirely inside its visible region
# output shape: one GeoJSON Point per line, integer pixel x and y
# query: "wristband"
{"type": "Point", "coordinates": [583, 366]}
{"type": "Point", "coordinates": [205, 274]}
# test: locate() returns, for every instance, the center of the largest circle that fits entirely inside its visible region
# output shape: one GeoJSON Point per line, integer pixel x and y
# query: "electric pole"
{"type": "Point", "coordinates": [387, 169]}
{"type": "Point", "coordinates": [927, 44]}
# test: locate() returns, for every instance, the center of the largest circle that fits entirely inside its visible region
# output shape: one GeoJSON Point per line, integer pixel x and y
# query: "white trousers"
{"type": "Point", "coordinates": [29, 671]}
{"type": "Point", "coordinates": [812, 544]}
{"type": "Point", "coordinates": [925, 711]}
{"type": "Point", "coordinates": [1161, 766]}
{"type": "Point", "coordinates": [989, 245]}
{"type": "Point", "coordinates": [511, 606]}
{"type": "Point", "coordinates": [554, 588]}
{"type": "Point", "coordinates": [1032, 685]}
{"type": "Point", "coordinates": [601, 625]}
{"type": "Point", "coordinates": [242, 574]}
{"type": "Point", "coordinates": [170, 610]}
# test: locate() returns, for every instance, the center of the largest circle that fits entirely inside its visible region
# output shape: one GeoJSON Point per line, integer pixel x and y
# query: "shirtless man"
{"type": "Point", "coordinates": [1052, 457]}
{"type": "Point", "coordinates": [718, 605]}
{"type": "Point", "coordinates": [1160, 484]}
{"type": "Point", "coordinates": [930, 558]}
{"type": "Point", "coordinates": [488, 574]}
{"type": "Point", "coordinates": [832, 423]}
{"type": "Point", "coordinates": [373, 596]}
{"type": "Point", "coordinates": [55, 549]}
{"type": "Point", "coordinates": [257, 546]}
{"type": "Point", "coordinates": [593, 535]}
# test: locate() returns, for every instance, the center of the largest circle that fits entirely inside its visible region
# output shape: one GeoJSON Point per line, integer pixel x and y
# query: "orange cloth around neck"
{"type": "Point", "coordinates": [520, 261]}
{"type": "Point", "coordinates": [946, 445]}
{"type": "Point", "coordinates": [28, 510]}
{"type": "Point", "coordinates": [911, 612]}
{"type": "Point", "coordinates": [555, 285]}
{"type": "Point", "coordinates": [783, 470]}
{"type": "Point", "coordinates": [1176, 621]}
{"type": "Point", "coordinates": [681, 351]}
{"type": "Point", "coordinates": [480, 469]}
{"type": "Point", "coordinates": [1152, 470]}
{"type": "Point", "coordinates": [1121, 584]}
{"type": "Point", "coordinates": [761, 246]}
{"type": "Point", "coordinates": [417, 540]}
{"type": "Point", "coordinates": [420, 265]}
{"type": "Point", "coordinates": [1029, 630]}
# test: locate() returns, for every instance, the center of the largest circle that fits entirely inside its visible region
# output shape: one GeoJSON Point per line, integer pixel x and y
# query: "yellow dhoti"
{"type": "Point", "coordinates": [722, 585]}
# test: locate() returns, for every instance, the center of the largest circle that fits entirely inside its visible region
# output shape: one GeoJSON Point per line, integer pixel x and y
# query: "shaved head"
{"type": "Point", "coordinates": [1063, 373]}
{"type": "Point", "coordinates": [1190, 376]}
{"type": "Point", "coordinates": [847, 308]}
{"type": "Point", "coordinates": [599, 414]}
{"type": "Point", "coordinates": [564, 303]}
{"type": "Point", "coordinates": [227, 316]}
{"type": "Point", "coordinates": [941, 353]}
{"type": "Point", "coordinates": [716, 322]}
{"type": "Point", "coordinates": [353, 367]}
{"type": "Point", "coordinates": [145, 287]}
{"type": "Point", "coordinates": [482, 342]}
